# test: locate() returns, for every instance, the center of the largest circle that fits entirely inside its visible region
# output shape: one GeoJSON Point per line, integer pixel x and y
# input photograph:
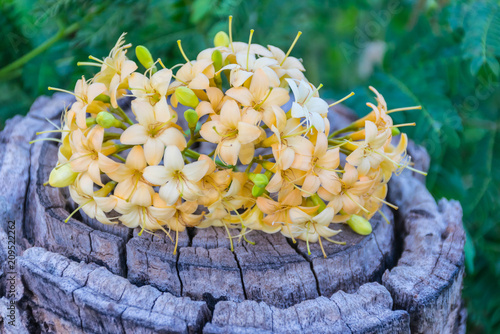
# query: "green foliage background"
{"type": "Point", "coordinates": [443, 55]}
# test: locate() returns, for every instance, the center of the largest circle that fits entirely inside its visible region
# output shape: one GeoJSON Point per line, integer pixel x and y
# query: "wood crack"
{"type": "Point", "coordinates": [241, 275]}
{"type": "Point", "coordinates": [178, 272]}
{"type": "Point", "coordinates": [311, 265]}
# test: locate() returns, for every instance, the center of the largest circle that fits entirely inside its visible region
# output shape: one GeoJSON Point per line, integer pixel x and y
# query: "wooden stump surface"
{"type": "Point", "coordinates": [83, 276]}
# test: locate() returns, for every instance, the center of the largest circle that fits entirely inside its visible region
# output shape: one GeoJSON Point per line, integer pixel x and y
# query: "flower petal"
{"type": "Point", "coordinates": [161, 80]}
{"type": "Point", "coordinates": [143, 111]}
{"type": "Point", "coordinates": [134, 135]}
{"type": "Point", "coordinates": [169, 192]}
{"type": "Point", "coordinates": [173, 159]}
{"type": "Point", "coordinates": [248, 133]}
{"type": "Point", "coordinates": [195, 171]}
{"type": "Point", "coordinates": [246, 153]}
{"type": "Point", "coordinates": [173, 136]}
{"type": "Point", "coordinates": [143, 195]}
{"type": "Point", "coordinates": [330, 181]}
{"type": "Point", "coordinates": [229, 150]}
{"type": "Point", "coordinates": [94, 90]}
{"type": "Point", "coordinates": [153, 151]}
{"type": "Point", "coordinates": [95, 173]}
{"type": "Point", "coordinates": [199, 82]}
{"type": "Point", "coordinates": [156, 175]}
{"type": "Point", "coordinates": [136, 159]}
{"type": "Point", "coordinates": [230, 114]}
{"type": "Point", "coordinates": [298, 216]}
{"type": "Point", "coordinates": [210, 134]}
{"type": "Point", "coordinates": [311, 185]}
{"type": "Point", "coordinates": [242, 95]}
{"type": "Point", "coordinates": [325, 217]}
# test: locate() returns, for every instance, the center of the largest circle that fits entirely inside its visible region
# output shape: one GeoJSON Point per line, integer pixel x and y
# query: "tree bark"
{"type": "Point", "coordinates": [86, 277]}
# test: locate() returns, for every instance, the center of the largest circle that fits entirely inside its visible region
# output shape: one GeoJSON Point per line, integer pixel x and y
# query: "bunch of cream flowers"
{"type": "Point", "coordinates": [271, 164]}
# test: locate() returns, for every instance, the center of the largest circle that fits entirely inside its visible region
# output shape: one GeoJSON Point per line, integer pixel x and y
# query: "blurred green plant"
{"type": "Point", "coordinates": [443, 55]}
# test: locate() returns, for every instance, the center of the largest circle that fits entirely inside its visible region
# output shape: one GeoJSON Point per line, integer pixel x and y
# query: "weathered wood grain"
{"type": "Point", "coordinates": [92, 299]}
{"type": "Point", "coordinates": [428, 277]}
{"type": "Point", "coordinates": [369, 310]}
{"type": "Point", "coordinates": [150, 260]}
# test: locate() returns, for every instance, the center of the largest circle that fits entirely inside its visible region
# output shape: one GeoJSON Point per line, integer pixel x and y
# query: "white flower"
{"type": "Point", "coordinates": [308, 105]}
{"type": "Point", "coordinates": [155, 130]}
{"type": "Point", "coordinates": [175, 178]}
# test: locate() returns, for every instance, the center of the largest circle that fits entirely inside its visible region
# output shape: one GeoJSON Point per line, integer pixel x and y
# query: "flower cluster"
{"type": "Point", "coordinates": [272, 163]}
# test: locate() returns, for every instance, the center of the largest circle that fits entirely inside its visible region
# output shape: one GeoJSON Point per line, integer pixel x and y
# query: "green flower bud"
{"type": "Point", "coordinates": [257, 191]}
{"type": "Point", "coordinates": [360, 225]}
{"type": "Point", "coordinates": [103, 98]}
{"type": "Point", "coordinates": [191, 117]}
{"type": "Point", "coordinates": [318, 201]}
{"type": "Point", "coordinates": [144, 56]}
{"type": "Point", "coordinates": [107, 120]}
{"type": "Point", "coordinates": [217, 59]}
{"type": "Point", "coordinates": [186, 97]}
{"type": "Point", "coordinates": [62, 176]}
{"type": "Point", "coordinates": [221, 39]}
{"type": "Point", "coordinates": [260, 180]}
{"type": "Point", "coordinates": [395, 131]}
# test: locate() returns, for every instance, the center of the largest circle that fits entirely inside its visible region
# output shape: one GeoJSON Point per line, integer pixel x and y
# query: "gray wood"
{"type": "Point", "coordinates": [92, 278]}
{"type": "Point", "coordinates": [369, 310]}
{"type": "Point", "coordinates": [92, 299]}
{"type": "Point", "coordinates": [427, 280]}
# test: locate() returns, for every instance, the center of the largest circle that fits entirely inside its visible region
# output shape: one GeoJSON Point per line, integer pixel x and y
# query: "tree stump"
{"type": "Point", "coordinates": [85, 277]}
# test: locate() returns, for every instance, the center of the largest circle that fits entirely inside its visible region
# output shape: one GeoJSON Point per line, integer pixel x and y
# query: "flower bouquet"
{"type": "Point", "coordinates": [269, 162]}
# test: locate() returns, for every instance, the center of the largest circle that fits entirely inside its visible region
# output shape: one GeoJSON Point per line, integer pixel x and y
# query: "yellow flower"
{"type": "Point", "coordinates": [153, 89]}
{"type": "Point", "coordinates": [184, 216]}
{"type": "Point", "coordinates": [285, 180]}
{"type": "Point", "coordinates": [216, 100]}
{"type": "Point", "coordinates": [369, 154]}
{"type": "Point", "coordinates": [196, 74]}
{"type": "Point", "coordinates": [175, 178]}
{"type": "Point", "coordinates": [246, 64]}
{"type": "Point", "coordinates": [233, 135]}
{"type": "Point", "coordinates": [155, 130]}
{"type": "Point", "coordinates": [129, 175]}
{"type": "Point", "coordinates": [260, 98]}
{"type": "Point", "coordinates": [151, 213]}
{"type": "Point", "coordinates": [290, 149]}
{"type": "Point", "coordinates": [252, 219]}
{"type": "Point", "coordinates": [89, 154]}
{"type": "Point", "coordinates": [85, 94]}
{"type": "Point", "coordinates": [94, 204]}
{"type": "Point", "coordinates": [323, 168]}
{"type": "Point", "coordinates": [310, 228]}
{"type": "Point", "coordinates": [396, 158]}
{"type": "Point", "coordinates": [308, 104]}
{"type": "Point", "coordinates": [236, 197]}
{"type": "Point", "coordinates": [349, 196]}
{"type": "Point", "coordinates": [288, 67]}
{"type": "Point", "coordinates": [115, 70]}
{"type": "Point", "coordinates": [213, 183]}
{"type": "Point", "coordinates": [277, 212]}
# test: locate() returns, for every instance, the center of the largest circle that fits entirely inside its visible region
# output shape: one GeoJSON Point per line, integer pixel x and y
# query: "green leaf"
{"type": "Point", "coordinates": [200, 8]}
{"type": "Point", "coordinates": [481, 43]}
{"type": "Point", "coordinates": [470, 252]}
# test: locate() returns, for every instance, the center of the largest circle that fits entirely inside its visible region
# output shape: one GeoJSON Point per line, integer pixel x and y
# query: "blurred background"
{"type": "Point", "coordinates": [441, 54]}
